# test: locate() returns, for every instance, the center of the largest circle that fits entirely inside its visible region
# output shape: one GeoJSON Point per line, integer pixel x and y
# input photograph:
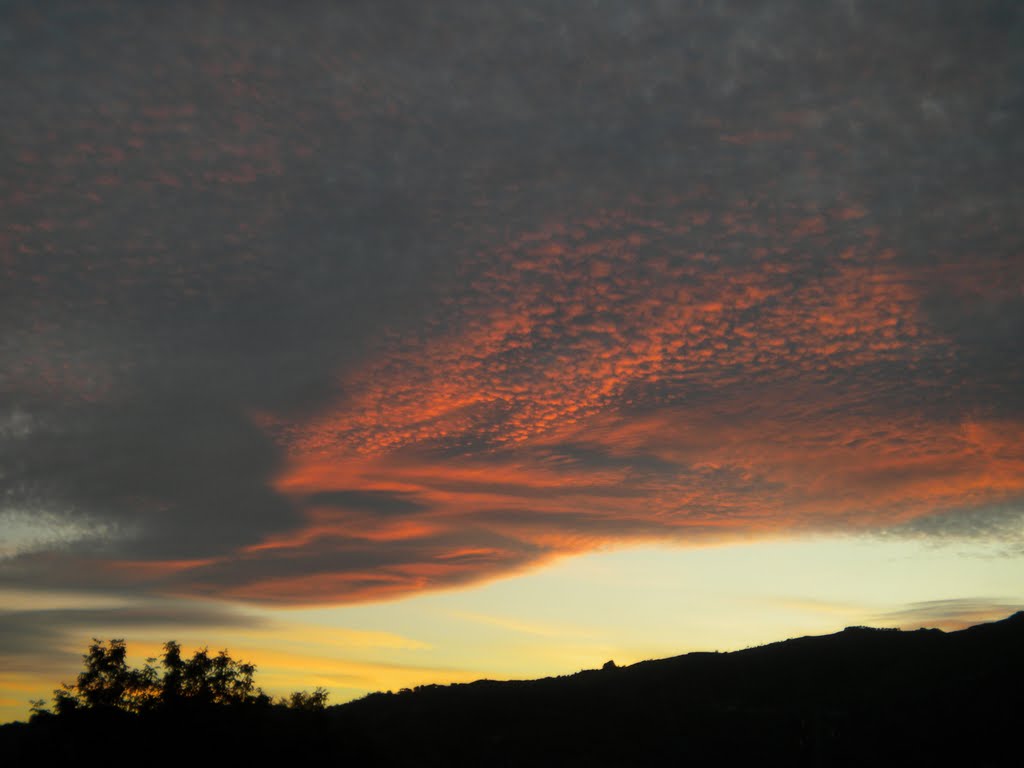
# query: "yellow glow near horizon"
{"type": "Point", "coordinates": [627, 605]}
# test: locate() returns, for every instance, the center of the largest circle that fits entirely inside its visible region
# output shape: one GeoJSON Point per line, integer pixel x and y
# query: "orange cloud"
{"type": "Point", "coordinates": [599, 381]}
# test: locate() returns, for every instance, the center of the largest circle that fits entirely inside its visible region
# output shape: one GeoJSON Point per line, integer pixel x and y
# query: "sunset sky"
{"type": "Point", "coordinates": [388, 343]}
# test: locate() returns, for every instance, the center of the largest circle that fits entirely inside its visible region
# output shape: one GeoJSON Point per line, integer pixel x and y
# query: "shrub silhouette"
{"type": "Point", "coordinates": [108, 683]}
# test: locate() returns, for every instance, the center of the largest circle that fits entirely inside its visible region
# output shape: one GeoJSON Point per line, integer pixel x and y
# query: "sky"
{"type": "Point", "coordinates": [395, 343]}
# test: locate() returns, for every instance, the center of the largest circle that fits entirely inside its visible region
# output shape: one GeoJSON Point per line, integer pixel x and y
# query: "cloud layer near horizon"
{"type": "Point", "coordinates": [351, 302]}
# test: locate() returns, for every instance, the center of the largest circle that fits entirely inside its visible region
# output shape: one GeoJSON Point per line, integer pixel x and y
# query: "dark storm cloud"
{"type": "Point", "coordinates": [237, 241]}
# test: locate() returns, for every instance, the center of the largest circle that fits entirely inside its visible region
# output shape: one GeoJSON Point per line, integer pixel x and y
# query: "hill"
{"type": "Point", "coordinates": [858, 696]}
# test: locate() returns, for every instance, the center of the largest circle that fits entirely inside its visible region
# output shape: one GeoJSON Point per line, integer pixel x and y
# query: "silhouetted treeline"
{"type": "Point", "coordinates": [861, 696]}
{"type": "Point", "coordinates": [109, 684]}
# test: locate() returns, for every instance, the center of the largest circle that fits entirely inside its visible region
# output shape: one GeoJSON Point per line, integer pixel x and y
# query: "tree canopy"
{"type": "Point", "coordinates": [108, 682]}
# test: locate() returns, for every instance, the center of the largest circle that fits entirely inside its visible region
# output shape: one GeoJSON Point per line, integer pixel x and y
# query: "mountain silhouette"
{"type": "Point", "coordinates": [860, 696]}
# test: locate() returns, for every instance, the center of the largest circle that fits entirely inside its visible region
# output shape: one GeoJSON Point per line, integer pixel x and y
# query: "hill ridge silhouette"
{"type": "Point", "coordinates": [854, 696]}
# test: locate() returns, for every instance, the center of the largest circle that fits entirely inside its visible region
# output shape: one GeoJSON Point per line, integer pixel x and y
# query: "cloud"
{"type": "Point", "coordinates": [371, 502]}
{"type": "Point", "coordinates": [34, 639]}
{"type": "Point", "coordinates": [353, 302]}
{"type": "Point", "coordinates": [1003, 525]}
{"type": "Point", "coordinates": [950, 615]}
{"type": "Point", "coordinates": [172, 480]}
{"type": "Point", "coordinates": [26, 532]}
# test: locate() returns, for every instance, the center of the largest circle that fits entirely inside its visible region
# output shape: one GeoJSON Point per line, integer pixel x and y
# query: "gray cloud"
{"type": "Point", "coordinates": [373, 502]}
{"type": "Point", "coordinates": [210, 215]}
{"type": "Point", "coordinates": [1001, 524]}
{"type": "Point", "coordinates": [182, 479]}
{"type": "Point", "coordinates": [34, 640]}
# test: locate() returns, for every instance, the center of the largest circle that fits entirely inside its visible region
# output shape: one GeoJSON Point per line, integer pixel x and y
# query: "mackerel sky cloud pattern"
{"type": "Point", "coordinates": [351, 302]}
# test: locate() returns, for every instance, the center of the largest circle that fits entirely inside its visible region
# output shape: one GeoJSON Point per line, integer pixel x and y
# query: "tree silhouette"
{"type": "Point", "coordinates": [307, 702]}
{"type": "Point", "coordinates": [109, 683]}
{"type": "Point", "coordinates": [174, 674]}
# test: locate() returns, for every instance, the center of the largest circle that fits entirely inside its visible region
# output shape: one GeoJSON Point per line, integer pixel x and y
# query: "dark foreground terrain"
{"type": "Point", "coordinates": [858, 697]}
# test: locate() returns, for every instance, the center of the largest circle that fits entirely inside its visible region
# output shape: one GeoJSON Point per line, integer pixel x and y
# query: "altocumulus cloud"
{"type": "Point", "coordinates": [357, 300]}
